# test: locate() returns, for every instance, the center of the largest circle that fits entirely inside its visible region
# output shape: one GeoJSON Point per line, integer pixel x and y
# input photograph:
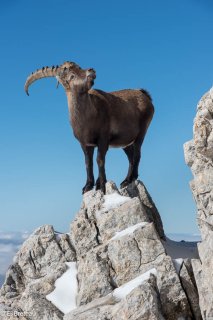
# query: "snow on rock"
{"type": "Point", "coordinates": [125, 289]}
{"type": "Point", "coordinates": [129, 230]}
{"type": "Point", "coordinates": [110, 202]}
{"type": "Point", "coordinates": [114, 200]}
{"type": "Point", "coordinates": [66, 287]}
{"type": "Point", "coordinates": [58, 236]}
{"type": "Point", "coordinates": [178, 264]}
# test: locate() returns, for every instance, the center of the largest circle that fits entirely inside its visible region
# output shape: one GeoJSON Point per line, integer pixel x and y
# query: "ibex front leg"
{"type": "Point", "coordinates": [101, 181]}
{"type": "Point", "coordinates": [88, 152]}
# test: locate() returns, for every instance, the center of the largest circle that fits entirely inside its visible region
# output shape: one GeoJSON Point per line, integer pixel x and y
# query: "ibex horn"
{"type": "Point", "coordinates": [39, 74]}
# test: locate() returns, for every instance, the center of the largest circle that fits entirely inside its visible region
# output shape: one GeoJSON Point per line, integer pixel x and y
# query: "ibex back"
{"type": "Point", "coordinates": [118, 119]}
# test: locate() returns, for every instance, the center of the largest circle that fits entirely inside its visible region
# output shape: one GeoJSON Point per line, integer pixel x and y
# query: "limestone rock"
{"type": "Point", "coordinates": [94, 278]}
{"type": "Point", "coordinates": [118, 237]}
{"type": "Point", "coordinates": [117, 219]}
{"type": "Point", "coordinates": [9, 313]}
{"type": "Point", "coordinates": [36, 305]}
{"type": "Point", "coordinates": [97, 222]}
{"type": "Point", "coordinates": [142, 303]}
{"type": "Point", "coordinates": [134, 253]}
{"type": "Point", "coordinates": [137, 189]}
{"type": "Point", "coordinates": [191, 291]}
{"type": "Point", "coordinates": [202, 288]}
{"type": "Point", "coordinates": [84, 233]}
{"type": "Point", "coordinates": [37, 265]}
{"type": "Point", "coordinates": [199, 156]}
{"type": "Point", "coordinates": [117, 240]}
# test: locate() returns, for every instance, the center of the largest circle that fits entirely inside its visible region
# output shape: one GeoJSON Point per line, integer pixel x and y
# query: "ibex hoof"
{"type": "Point", "coordinates": [100, 186]}
{"type": "Point", "coordinates": [125, 183]}
{"type": "Point", "coordinates": [87, 188]}
{"type": "Point", "coordinates": [103, 188]}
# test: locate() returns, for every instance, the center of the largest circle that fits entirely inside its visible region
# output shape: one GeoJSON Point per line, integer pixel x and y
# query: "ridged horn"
{"type": "Point", "coordinates": [39, 74]}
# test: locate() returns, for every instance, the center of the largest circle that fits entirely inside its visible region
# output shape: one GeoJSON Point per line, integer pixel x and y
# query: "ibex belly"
{"type": "Point", "coordinates": [122, 139]}
{"type": "Point", "coordinates": [121, 145]}
{"type": "Point", "coordinates": [124, 135]}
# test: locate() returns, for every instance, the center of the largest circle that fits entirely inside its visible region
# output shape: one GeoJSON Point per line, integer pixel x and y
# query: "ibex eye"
{"type": "Point", "coordinates": [72, 76]}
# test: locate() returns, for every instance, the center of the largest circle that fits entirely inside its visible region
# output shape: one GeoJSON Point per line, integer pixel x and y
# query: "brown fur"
{"type": "Point", "coordinates": [100, 119]}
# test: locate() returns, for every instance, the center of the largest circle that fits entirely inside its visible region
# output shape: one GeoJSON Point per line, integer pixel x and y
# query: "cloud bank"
{"type": "Point", "coordinates": [10, 243]}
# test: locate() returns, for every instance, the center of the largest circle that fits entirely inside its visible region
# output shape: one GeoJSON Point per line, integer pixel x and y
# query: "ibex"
{"type": "Point", "coordinates": [118, 119]}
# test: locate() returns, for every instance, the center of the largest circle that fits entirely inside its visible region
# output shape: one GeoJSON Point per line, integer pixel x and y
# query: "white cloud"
{"type": "Point", "coordinates": [184, 237]}
{"type": "Point", "coordinates": [6, 236]}
{"type": "Point", "coordinates": [10, 243]}
{"type": "Point", "coordinates": [7, 248]}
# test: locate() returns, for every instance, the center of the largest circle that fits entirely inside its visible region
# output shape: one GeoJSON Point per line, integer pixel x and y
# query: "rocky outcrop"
{"type": "Point", "coordinates": [38, 264]}
{"type": "Point", "coordinates": [141, 303]}
{"type": "Point", "coordinates": [125, 265]}
{"type": "Point", "coordinates": [117, 238]}
{"type": "Point", "coordinates": [199, 156]}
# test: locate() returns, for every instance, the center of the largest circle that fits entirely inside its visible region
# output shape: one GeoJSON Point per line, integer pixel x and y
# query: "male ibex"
{"type": "Point", "coordinates": [101, 119]}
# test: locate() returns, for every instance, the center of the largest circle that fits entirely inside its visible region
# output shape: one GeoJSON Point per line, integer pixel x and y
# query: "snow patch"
{"type": "Point", "coordinates": [121, 292]}
{"type": "Point", "coordinates": [129, 230]}
{"type": "Point", "coordinates": [58, 236]}
{"type": "Point", "coordinates": [66, 287]}
{"type": "Point", "coordinates": [177, 264]}
{"type": "Point", "coordinates": [111, 201]}
{"type": "Point", "coordinates": [114, 200]}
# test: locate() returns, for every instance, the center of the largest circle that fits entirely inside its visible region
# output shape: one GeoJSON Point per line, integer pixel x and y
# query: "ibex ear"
{"type": "Point", "coordinates": [72, 76]}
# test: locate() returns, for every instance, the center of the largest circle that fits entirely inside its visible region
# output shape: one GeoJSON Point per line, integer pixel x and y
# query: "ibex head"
{"type": "Point", "coordinates": [69, 74]}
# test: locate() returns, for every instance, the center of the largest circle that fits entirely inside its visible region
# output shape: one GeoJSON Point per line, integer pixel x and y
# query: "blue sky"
{"type": "Point", "coordinates": [163, 46]}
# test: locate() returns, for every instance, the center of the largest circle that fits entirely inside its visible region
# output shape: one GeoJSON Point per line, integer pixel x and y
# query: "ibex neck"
{"type": "Point", "coordinates": [79, 105]}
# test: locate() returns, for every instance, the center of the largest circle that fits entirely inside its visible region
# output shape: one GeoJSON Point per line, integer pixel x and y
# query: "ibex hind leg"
{"type": "Point", "coordinates": [129, 151]}
{"type": "Point", "coordinates": [137, 158]}
{"type": "Point", "coordinates": [133, 153]}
